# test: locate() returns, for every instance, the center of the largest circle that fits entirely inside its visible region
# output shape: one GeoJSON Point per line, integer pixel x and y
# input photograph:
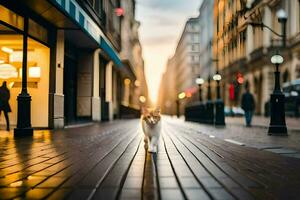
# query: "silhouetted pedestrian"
{"type": "Point", "coordinates": [4, 105]}
{"type": "Point", "coordinates": [248, 105]}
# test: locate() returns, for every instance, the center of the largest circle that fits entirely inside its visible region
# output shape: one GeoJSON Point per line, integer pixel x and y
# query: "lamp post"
{"type": "Point", "coordinates": [219, 115]}
{"type": "Point", "coordinates": [24, 99]}
{"type": "Point", "coordinates": [180, 97]}
{"type": "Point", "coordinates": [277, 123]}
{"type": "Point", "coordinates": [209, 104]}
{"type": "Point", "coordinates": [142, 100]}
{"type": "Point", "coordinates": [282, 18]}
{"type": "Point", "coordinates": [199, 82]}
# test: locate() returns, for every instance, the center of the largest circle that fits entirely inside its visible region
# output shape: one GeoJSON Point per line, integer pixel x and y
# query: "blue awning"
{"type": "Point", "coordinates": [110, 52]}
{"type": "Point", "coordinates": [78, 15]}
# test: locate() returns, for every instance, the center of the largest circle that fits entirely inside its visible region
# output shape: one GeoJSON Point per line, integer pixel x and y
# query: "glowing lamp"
{"type": "Point", "coordinates": [240, 80]}
{"type": "Point", "coordinates": [137, 83]}
{"type": "Point", "coordinates": [281, 14]}
{"type": "Point", "coordinates": [188, 95]}
{"type": "Point", "coordinates": [142, 99]}
{"type": "Point", "coordinates": [119, 12]}
{"type": "Point", "coordinates": [127, 81]}
{"type": "Point", "coordinates": [217, 77]}
{"type": "Point", "coordinates": [277, 59]}
{"type": "Point", "coordinates": [7, 50]}
{"type": "Point", "coordinates": [199, 81]}
{"type": "Point", "coordinates": [181, 95]}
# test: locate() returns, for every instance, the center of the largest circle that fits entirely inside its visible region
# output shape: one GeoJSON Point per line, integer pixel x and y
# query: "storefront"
{"type": "Point", "coordinates": [38, 64]}
{"type": "Point", "coordinates": [70, 61]}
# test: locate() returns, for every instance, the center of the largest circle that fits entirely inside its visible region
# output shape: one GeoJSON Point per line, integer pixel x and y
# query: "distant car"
{"type": "Point", "coordinates": [291, 91]}
{"type": "Point", "coordinates": [234, 111]}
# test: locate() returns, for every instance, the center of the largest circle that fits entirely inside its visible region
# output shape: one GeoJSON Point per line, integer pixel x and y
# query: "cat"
{"type": "Point", "coordinates": [151, 125]}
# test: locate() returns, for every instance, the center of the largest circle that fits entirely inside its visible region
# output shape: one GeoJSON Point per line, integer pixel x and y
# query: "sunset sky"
{"type": "Point", "coordinates": [162, 22]}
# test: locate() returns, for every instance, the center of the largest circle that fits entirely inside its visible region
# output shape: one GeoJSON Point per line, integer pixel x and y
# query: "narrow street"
{"type": "Point", "coordinates": [108, 161]}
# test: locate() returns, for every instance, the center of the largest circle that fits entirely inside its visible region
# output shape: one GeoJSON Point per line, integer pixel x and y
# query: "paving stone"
{"type": "Point", "coordinates": [102, 162]}
{"type": "Point", "coordinates": [195, 194]}
{"type": "Point", "coordinates": [168, 194]}
{"type": "Point", "coordinates": [168, 182]}
{"type": "Point", "coordinates": [131, 194]}
{"type": "Point", "coordinates": [133, 182]}
{"type": "Point", "coordinates": [37, 193]}
{"type": "Point", "coordinates": [282, 151]}
{"type": "Point", "coordinates": [189, 182]}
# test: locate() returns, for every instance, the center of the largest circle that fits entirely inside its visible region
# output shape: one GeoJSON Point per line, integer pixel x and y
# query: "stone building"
{"type": "Point", "coordinates": [207, 66]}
{"type": "Point", "coordinates": [186, 62]}
{"type": "Point", "coordinates": [131, 54]}
{"type": "Point", "coordinates": [244, 51]}
{"type": "Point", "coordinates": [167, 90]}
{"type": "Point", "coordinates": [75, 71]}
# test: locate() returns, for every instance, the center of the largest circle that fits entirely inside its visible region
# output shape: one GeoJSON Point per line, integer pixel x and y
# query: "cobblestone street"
{"type": "Point", "coordinates": [108, 161]}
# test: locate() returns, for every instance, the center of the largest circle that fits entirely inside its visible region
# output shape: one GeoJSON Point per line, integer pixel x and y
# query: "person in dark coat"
{"type": "Point", "coordinates": [4, 104]}
{"type": "Point", "coordinates": [248, 105]}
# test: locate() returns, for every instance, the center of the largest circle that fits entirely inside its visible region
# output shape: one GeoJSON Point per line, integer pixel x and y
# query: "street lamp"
{"type": "Point", "coordinates": [219, 115]}
{"type": "Point", "coordinates": [282, 18]}
{"type": "Point", "coordinates": [199, 82]}
{"type": "Point", "coordinates": [180, 97]}
{"type": "Point", "coordinates": [209, 104]}
{"type": "Point", "coordinates": [142, 99]}
{"type": "Point", "coordinates": [277, 123]}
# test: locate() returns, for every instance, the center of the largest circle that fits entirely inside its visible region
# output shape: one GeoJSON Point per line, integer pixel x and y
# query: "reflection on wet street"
{"type": "Point", "coordinates": [109, 161]}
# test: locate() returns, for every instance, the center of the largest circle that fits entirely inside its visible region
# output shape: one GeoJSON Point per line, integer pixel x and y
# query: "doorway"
{"type": "Point", "coordinates": [104, 103]}
{"type": "Point", "coordinates": [70, 90]}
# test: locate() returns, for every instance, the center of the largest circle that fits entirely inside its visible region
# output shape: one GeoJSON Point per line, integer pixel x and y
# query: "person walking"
{"type": "Point", "coordinates": [4, 104]}
{"type": "Point", "coordinates": [248, 105]}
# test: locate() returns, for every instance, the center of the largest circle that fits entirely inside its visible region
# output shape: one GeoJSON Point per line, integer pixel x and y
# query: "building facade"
{"type": "Point", "coordinates": [244, 51]}
{"type": "Point", "coordinates": [131, 55]}
{"type": "Point", "coordinates": [167, 90]}
{"type": "Point", "coordinates": [207, 65]}
{"type": "Point", "coordinates": [186, 62]}
{"type": "Point", "coordinates": [75, 72]}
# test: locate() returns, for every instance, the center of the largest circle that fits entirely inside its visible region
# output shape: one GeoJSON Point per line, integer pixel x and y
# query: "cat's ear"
{"type": "Point", "coordinates": [145, 111]}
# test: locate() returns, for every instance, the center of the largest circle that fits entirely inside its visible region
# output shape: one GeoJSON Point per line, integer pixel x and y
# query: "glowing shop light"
{"type": "Point", "coordinates": [8, 71]}
{"type": "Point", "coordinates": [7, 50]}
{"type": "Point", "coordinates": [34, 72]}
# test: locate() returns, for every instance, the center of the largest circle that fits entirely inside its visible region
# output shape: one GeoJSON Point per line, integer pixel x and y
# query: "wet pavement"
{"type": "Point", "coordinates": [108, 161]}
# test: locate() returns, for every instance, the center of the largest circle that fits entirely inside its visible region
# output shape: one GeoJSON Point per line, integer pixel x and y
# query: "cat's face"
{"type": "Point", "coordinates": [151, 117]}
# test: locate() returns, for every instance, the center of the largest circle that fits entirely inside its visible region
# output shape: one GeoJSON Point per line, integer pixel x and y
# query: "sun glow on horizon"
{"type": "Point", "coordinates": [159, 33]}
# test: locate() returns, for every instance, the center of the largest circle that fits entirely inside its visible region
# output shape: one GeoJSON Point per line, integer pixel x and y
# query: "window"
{"type": "Point", "coordinates": [97, 6]}
{"type": "Point", "coordinates": [193, 47]}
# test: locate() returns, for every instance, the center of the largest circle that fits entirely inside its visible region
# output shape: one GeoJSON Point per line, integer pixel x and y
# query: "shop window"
{"type": "Point", "coordinates": [38, 62]}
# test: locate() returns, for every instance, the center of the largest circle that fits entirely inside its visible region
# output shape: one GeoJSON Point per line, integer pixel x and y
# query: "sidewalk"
{"type": "Point", "coordinates": [293, 124]}
{"type": "Point", "coordinates": [109, 161]}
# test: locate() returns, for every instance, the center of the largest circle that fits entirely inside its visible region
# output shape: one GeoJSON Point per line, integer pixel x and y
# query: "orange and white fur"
{"type": "Point", "coordinates": [151, 125]}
